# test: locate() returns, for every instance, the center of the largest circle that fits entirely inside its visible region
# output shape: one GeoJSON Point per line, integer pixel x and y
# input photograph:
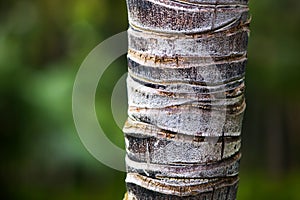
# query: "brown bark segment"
{"type": "Point", "coordinates": [220, 191]}
{"type": "Point", "coordinates": [177, 17]}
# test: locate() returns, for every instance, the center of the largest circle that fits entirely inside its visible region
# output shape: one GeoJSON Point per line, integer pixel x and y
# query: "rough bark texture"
{"type": "Point", "coordinates": [186, 64]}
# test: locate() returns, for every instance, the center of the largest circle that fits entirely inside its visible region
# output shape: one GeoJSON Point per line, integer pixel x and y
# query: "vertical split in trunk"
{"type": "Point", "coordinates": [186, 64]}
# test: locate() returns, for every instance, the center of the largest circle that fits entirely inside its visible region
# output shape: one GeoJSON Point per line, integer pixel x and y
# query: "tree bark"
{"type": "Point", "coordinates": [186, 63]}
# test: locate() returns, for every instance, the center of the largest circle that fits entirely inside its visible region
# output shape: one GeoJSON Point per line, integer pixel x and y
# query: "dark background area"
{"type": "Point", "coordinates": [42, 45]}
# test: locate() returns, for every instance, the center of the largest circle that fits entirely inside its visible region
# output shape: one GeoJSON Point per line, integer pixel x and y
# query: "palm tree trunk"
{"type": "Point", "coordinates": [186, 64]}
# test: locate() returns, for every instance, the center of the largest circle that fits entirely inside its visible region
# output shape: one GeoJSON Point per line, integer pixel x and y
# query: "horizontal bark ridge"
{"type": "Point", "coordinates": [186, 64]}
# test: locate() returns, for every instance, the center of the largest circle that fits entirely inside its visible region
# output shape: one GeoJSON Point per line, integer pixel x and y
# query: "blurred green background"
{"type": "Point", "coordinates": [42, 44]}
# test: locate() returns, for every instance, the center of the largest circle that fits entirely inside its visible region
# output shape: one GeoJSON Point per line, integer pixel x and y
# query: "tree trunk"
{"type": "Point", "coordinates": [186, 63]}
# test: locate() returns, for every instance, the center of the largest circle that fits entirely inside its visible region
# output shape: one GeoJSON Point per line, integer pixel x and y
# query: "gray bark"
{"type": "Point", "coordinates": [186, 64]}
